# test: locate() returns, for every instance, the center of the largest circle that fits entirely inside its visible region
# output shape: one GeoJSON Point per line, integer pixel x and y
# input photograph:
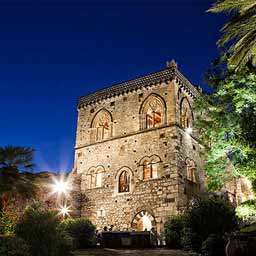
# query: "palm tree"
{"type": "Point", "coordinates": [14, 178]}
{"type": "Point", "coordinates": [240, 32]}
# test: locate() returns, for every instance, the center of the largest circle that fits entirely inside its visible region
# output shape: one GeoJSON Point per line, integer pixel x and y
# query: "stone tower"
{"type": "Point", "coordinates": [136, 152]}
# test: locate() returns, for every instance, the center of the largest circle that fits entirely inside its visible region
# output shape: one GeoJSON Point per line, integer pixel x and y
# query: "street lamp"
{"type": "Point", "coordinates": [64, 211]}
{"type": "Point", "coordinates": [60, 187]}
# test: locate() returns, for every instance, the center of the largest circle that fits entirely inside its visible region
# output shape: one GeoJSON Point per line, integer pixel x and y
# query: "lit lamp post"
{"type": "Point", "coordinates": [61, 188]}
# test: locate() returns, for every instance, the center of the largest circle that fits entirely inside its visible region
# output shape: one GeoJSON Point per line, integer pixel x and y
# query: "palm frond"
{"type": "Point", "coordinates": [232, 5]}
{"type": "Point", "coordinates": [238, 27]}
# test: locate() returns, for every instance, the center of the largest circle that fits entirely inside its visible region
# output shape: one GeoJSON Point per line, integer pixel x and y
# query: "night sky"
{"type": "Point", "coordinates": [52, 52]}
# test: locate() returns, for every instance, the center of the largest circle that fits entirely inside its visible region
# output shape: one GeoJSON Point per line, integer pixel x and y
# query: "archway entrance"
{"type": "Point", "coordinates": [143, 221]}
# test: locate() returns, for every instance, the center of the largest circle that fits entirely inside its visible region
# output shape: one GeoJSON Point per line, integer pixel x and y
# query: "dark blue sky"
{"type": "Point", "coordinates": [52, 52]}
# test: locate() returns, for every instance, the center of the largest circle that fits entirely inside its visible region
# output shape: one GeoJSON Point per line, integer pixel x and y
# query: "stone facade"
{"type": "Point", "coordinates": [136, 154]}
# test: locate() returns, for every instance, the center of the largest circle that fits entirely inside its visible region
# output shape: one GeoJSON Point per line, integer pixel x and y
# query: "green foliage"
{"type": "Point", "coordinates": [208, 217]}
{"type": "Point", "coordinates": [81, 230]}
{"type": "Point", "coordinates": [173, 231]}
{"type": "Point", "coordinates": [249, 229]}
{"type": "Point", "coordinates": [246, 211]}
{"type": "Point", "coordinates": [190, 241]}
{"type": "Point", "coordinates": [227, 124]}
{"type": "Point", "coordinates": [13, 246]}
{"type": "Point", "coordinates": [239, 33]}
{"type": "Point", "coordinates": [7, 225]}
{"type": "Point", "coordinates": [214, 245]}
{"type": "Point", "coordinates": [198, 224]}
{"type": "Point", "coordinates": [39, 229]}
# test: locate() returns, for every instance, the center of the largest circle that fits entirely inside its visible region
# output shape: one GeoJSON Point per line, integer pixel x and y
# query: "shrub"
{"type": "Point", "coordinates": [246, 211]}
{"type": "Point", "coordinates": [7, 225]}
{"type": "Point", "coordinates": [13, 246]}
{"type": "Point", "coordinates": [81, 230]}
{"type": "Point", "coordinates": [39, 229]}
{"type": "Point", "coordinates": [190, 241]}
{"type": "Point", "coordinates": [173, 230]}
{"type": "Point", "coordinates": [210, 216]}
{"type": "Point", "coordinates": [214, 245]}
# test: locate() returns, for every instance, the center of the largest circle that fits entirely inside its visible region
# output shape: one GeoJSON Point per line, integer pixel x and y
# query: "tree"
{"type": "Point", "coordinates": [239, 33]}
{"type": "Point", "coordinates": [210, 216]}
{"type": "Point", "coordinates": [14, 162]}
{"type": "Point", "coordinates": [227, 124]}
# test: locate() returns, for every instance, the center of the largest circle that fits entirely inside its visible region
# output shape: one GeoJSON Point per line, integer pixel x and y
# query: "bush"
{"type": "Point", "coordinates": [7, 225]}
{"type": "Point", "coordinates": [39, 229]}
{"type": "Point", "coordinates": [208, 217]}
{"type": "Point", "coordinates": [190, 241]}
{"type": "Point", "coordinates": [214, 245]}
{"type": "Point", "coordinates": [173, 230]}
{"type": "Point", "coordinates": [81, 230]}
{"type": "Point", "coordinates": [13, 246]}
{"type": "Point", "coordinates": [246, 211]}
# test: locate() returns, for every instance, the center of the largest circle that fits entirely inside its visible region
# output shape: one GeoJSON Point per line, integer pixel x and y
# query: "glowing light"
{"type": "Point", "coordinates": [61, 186]}
{"type": "Point", "coordinates": [189, 130]}
{"type": "Point", "coordinates": [64, 211]}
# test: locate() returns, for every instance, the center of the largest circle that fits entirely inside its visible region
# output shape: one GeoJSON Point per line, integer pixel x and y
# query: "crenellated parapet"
{"type": "Point", "coordinates": [169, 74]}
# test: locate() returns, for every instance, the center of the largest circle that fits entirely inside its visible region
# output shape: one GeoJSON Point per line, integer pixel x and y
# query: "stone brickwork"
{"type": "Point", "coordinates": [134, 150]}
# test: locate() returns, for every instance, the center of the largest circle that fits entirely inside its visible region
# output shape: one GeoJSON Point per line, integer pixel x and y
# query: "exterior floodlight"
{"type": "Point", "coordinates": [60, 187]}
{"type": "Point", "coordinates": [189, 130]}
{"type": "Point", "coordinates": [64, 211]}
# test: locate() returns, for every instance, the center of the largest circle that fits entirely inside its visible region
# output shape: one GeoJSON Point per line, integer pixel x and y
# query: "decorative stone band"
{"type": "Point", "coordinates": [138, 83]}
{"type": "Point", "coordinates": [135, 133]}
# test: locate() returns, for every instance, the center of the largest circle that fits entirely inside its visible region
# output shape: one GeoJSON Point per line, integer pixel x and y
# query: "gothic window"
{"type": "Point", "coordinates": [95, 177]}
{"type": "Point", "coordinates": [150, 167]}
{"type": "Point", "coordinates": [124, 182]}
{"type": "Point", "coordinates": [191, 170]}
{"type": "Point", "coordinates": [186, 114]}
{"type": "Point", "coordinates": [149, 170]}
{"type": "Point", "coordinates": [101, 126]}
{"type": "Point", "coordinates": [152, 112]}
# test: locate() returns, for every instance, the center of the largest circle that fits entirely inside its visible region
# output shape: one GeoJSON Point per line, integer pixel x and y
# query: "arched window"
{"type": "Point", "coordinates": [191, 170]}
{"type": "Point", "coordinates": [101, 126]}
{"type": "Point", "coordinates": [150, 165]}
{"type": "Point", "coordinates": [186, 114]}
{"type": "Point", "coordinates": [95, 177]}
{"type": "Point", "coordinates": [124, 182]}
{"type": "Point", "coordinates": [149, 170]}
{"type": "Point", "coordinates": [152, 112]}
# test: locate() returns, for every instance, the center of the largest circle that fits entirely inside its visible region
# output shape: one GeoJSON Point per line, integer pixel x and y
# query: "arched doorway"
{"type": "Point", "coordinates": [143, 221]}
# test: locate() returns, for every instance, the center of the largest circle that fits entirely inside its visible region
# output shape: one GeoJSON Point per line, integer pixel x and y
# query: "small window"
{"type": "Point", "coordinates": [124, 182]}
{"type": "Point", "coordinates": [191, 170]}
{"type": "Point", "coordinates": [186, 114]}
